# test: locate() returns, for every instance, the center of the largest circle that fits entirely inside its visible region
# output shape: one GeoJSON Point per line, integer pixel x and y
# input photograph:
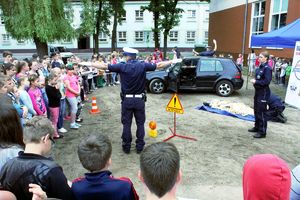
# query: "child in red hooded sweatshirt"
{"type": "Point", "coordinates": [266, 177]}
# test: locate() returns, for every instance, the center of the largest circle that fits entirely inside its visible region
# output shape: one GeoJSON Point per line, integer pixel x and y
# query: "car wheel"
{"type": "Point", "coordinates": [224, 88]}
{"type": "Point", "coordinates": [157, 86]}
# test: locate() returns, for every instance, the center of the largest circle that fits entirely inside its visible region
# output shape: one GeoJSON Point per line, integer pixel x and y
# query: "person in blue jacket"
{"type": "Point", "coordinates": [276, 108]}
{"type": "Point", "coordinates": [94, 154]}
{"type": "Point", "coordinates": [263, 77]}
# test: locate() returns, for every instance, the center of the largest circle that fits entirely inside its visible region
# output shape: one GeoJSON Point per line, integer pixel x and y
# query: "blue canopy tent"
{"type": "Point", "coordinates": [284, 37]}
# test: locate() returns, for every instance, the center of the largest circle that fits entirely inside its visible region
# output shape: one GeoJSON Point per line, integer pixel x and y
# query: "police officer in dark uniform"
{"type": "Point", "coordinates": [276, 108]}
{"type": "Point", "coordinates": [133, 83]}
{"type": "Point", "coordinates": [263, 77]}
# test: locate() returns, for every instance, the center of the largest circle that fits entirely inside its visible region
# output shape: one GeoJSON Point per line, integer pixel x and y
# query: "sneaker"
{"type": "Point", "coordinates": [62, 130]}
{"type": "Point", "coordinates": [58, 137]}
{"type": "Point", "coordinates": [79, 119]}
{"type": "Point", "coordinates": [74, 126]}
{"type": "Point", "coordinates": [79, 125]}
{"type": "Point", "coordinates": [117, 82]}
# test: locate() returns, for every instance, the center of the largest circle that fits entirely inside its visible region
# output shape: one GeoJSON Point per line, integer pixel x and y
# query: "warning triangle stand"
{"type": "Point", "coordinates": [175, 106]}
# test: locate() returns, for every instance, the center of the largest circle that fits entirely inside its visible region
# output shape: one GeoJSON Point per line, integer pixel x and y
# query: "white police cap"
{"type": "Point", "coordinates": [130, 51]}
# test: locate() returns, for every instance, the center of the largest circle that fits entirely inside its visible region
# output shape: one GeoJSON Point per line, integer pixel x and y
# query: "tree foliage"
{"type": "Point", "coordinates": [95, 19]}
{"type": "Point", "coordinates": [40, 20]}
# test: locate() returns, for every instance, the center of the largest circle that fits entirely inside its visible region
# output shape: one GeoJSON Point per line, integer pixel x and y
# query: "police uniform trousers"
{"type": "Point", "coordinates": [260, 108]}
{"type": "Point", "coordinates": [133, 107]}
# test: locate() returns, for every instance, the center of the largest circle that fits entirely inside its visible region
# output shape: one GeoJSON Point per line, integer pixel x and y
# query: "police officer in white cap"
{"type": "Point", "coordinates": [133, 83]}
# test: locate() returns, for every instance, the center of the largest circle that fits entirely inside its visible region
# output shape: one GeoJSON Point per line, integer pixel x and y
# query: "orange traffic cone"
{"type": "Point", "coordinates": [95, 109]}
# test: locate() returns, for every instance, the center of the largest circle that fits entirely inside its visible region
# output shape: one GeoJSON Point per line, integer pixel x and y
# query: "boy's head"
{"type": "Point", "coordinates": [7, 56]}
{"type": "Point", "coordinates": [39, 130]}
{"type": "Point", "coordinates": [94, 152]}
{"type": "Point", "coordinates": [159, 165]}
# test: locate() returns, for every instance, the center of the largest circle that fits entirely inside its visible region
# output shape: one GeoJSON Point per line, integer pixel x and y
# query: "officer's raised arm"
{"type": "Point", "coordinates": [97, 65]}
{"type": "Point", "coordinates": [166, 63]}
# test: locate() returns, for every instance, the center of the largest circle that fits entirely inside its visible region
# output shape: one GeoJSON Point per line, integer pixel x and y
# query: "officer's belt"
{"type": "Point", "coordinates": [133, 95]}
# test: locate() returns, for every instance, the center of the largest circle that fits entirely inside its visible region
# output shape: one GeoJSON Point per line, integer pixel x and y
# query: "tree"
{"type": "Point", "coordinates": [170, 18]}
{"type": "Point", "coordinates": [118, 13]}
{"type": "Point", "coordinates": [39, 20]}
{"type": "Point", "coordinates": [154, 7]}
{"type": "Point", "coordinates": [95, 19]}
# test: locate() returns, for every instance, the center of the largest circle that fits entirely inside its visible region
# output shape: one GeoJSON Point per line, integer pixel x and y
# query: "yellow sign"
{"type": "Point", "coordinates": [174, 105]}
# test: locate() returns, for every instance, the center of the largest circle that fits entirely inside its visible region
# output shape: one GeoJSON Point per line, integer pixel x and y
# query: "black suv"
{"type": "Point", "coordinates": [197, 73]}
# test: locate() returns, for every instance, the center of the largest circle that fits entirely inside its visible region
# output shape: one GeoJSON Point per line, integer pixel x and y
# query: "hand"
{"type": "Point", "coordinates": [214, 41]}
{"type": "Point", "coordinates": [37, 192]}
{"type": "Point", "coordinates": [253, 81]}
{"type": "Point", "coordinates": [176, 61]}
{"type": "Point", "coordinates": [25, 111]}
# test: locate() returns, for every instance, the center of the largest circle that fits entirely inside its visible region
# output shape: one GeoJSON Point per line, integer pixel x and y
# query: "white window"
{"type": "Point", "coordinates": [191, 13]}
{"type": "Point", "coordinates": [258, 16]}
{"type": "Point", "coordinates": [139, 15]}
{"type": "Point", "coordinates": [173, 36]}
{"type": "Point", "coordinates": [5, 39]}
{"type": "Point", "coordinates": [102, 37]}
{"type": "Point", "coordinates": [158, 36]}
{"type": "Point", "coordinates": [279, 13]}
{"type": "Point", "coordinates": [139, 36]}
{"type": "Point", "coordinates": [21, 42]}
{"type": "Point", "coordinates": [190, 36]}
{"type": "Point", "coordinates": [1, 19]}
{"type": "Point", "coordinates": [122, 36]}
{"type": "Point", "coordinates": [123, 17]}
{"type": "Point", "coordinates": [206, 37]}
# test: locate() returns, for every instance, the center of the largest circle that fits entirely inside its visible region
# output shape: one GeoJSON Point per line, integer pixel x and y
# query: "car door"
{"type": "Point", "coordinates": [207, 73]}
{"type": "Point", "coordinates": [173, 77]}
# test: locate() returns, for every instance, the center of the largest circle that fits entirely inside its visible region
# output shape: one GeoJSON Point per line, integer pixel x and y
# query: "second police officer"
{"type": "Point", "coordinates": [133, 82]}
{"type": "Point", "coordinates": [263, 77]}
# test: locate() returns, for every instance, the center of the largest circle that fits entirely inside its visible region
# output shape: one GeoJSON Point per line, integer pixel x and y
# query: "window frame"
{"type": "Point", "coordinates": [188, 38]}
{"type": "Point", "coordinates": [5, 39]}
{"type": "Point", "coordinates": [280, 13]}
{"type": "Point", "coordinates": [173, 36]}
{"type": "Point", "coordinates": [139, 15]}
{"type": "Point", "coordinates": [191, 14]}
{"type": "Point", "coordinates": [122, 39]}
{"type": "Point", "coordinates": [140, 37]}
{"type": "Point", "coordinates": [103, 37]}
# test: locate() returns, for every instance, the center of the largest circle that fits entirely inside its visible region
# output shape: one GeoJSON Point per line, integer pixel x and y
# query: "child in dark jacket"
{"type": "Point", "coordinates": [95, 155]}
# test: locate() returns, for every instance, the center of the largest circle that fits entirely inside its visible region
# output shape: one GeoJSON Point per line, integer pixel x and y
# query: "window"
{"type": "Point", "coordinates": [20, 42]}
{"type": "Point", "coordinates": [258, 17]}
{"type": "Point", "coordinates": [123, 17]}
{"type": "Point", "coordinates": [190, 36]}
{"type": "Point", "coordinates": [1, 19]}
{"type": "Point", "coordinates": [5, 39]}
{"type": "Point", "coordinates": [139, 15]}
{"type": "Point", "coordinates": [139, 36]}
{"type": "Point", "coordinates": [158, 36]}
{"type": "Point", "coordinates": [102, 37]}
{"type": "Point", "coordinates": [279, 11]}
{"type": "Point", "coordinates": [206, 37]}
{"type": "Point", "coordinates": [219, 67]}
{"type": "Point", "coordinates": [207, 66]}
{"type": "Point", "coordinates": [173, 36]}
{"type": "Point", "coordinates": [122, 36]}
{"type": "Point", "coordinates": [191, 13]}
{"type": "Point", "coordinates": [67, 41]}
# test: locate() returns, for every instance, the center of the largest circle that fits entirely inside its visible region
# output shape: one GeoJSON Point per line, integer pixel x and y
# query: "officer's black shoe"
{"type": "Point", "coordinates": [253, 130]}
{"type": "Point", "coordinates": [259, 135]}
{"type": "Point", "coordinates": [138, 151]}
{"type": "Point", "coordinates": [127, 151]}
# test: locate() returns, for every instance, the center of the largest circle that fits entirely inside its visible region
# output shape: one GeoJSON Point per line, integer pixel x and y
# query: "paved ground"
{"type": "Point", "coordinates": [212, 166]}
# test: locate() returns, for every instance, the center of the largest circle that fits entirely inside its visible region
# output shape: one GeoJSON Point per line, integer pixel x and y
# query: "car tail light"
{"type": "Point", "coordinates": [238, 75]}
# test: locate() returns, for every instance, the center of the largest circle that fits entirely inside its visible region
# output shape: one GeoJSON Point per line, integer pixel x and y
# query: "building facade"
{"type": "Point", "coordinates": [227, 23]}
{"type": "Point", "coordinates": [135, 30]}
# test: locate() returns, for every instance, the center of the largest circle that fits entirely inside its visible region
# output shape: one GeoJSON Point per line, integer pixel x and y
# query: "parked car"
{"type": "Point", "coordinates": [62, 50]}
{"type": "Point", "coordinates": [221, 75]}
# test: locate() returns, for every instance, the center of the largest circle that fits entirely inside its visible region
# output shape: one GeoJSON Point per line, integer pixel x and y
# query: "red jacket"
{"type": "Point", "coordinates": [266, 177]}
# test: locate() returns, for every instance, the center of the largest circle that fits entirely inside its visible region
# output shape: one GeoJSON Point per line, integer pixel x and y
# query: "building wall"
{"type": "Point", "coordinates": [227, 24]}
{"type": "Point", "coordinates": [199, 24]}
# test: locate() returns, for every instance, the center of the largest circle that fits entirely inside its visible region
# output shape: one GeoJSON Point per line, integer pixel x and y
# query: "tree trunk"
{"type": "Point", "coordinates": [166, 32]}
{"type": "Point", "coordinates": [96, 43]}
{"type": "Point", "coordinates": [41, 47]}
{"type": "Point", "coordinates": [114, 33]}
{"type": "Point", "coordinates": [156, 30]}
{"type": "Point", "coordinates": [97, 31]}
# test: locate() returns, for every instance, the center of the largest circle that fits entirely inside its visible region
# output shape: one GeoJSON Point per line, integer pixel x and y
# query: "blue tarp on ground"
{"type": "Point", "coordinates": [223, 112]}
{"type": "Point", "coordinates": [284, 37]}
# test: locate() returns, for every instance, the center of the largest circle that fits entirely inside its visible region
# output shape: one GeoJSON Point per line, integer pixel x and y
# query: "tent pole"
{"type": "Point", "coordinates": [244, 36]}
